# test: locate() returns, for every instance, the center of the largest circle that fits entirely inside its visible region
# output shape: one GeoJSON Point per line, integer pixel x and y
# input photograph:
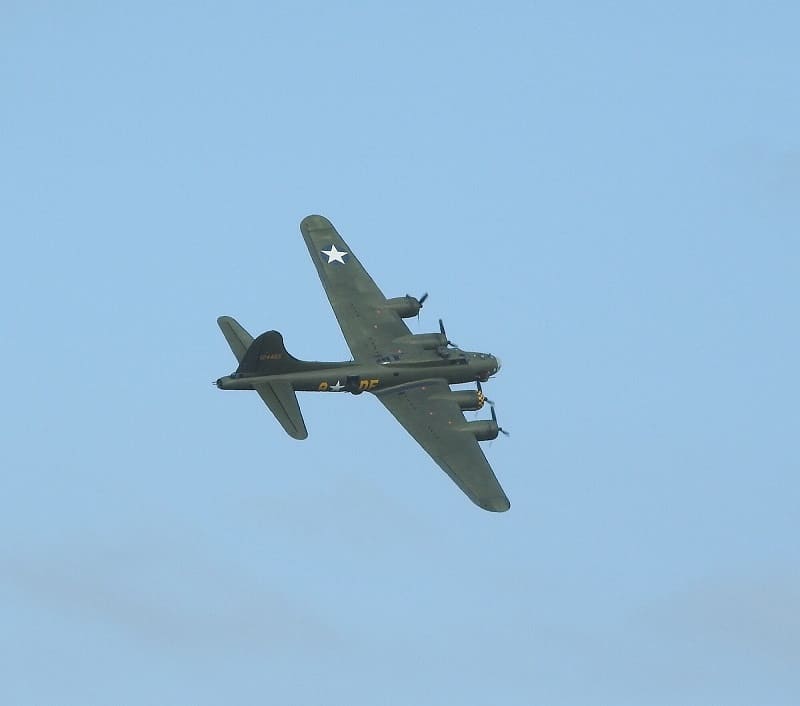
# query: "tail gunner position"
{"type": "Point", "coordinates": [409, 373]}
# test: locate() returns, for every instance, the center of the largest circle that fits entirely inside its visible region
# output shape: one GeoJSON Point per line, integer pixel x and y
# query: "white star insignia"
{"type": "Point", "coordinates": [334, 255]}
{"type": "Point", "coordinates": [335, 388]}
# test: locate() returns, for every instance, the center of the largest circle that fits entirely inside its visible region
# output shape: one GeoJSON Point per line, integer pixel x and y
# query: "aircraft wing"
{"type": "Point", "coordinates": [368, 327]}
{"type": "Point", "coordinates": [428, 412]}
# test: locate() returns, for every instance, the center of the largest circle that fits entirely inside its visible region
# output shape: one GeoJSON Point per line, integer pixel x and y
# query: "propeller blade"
{"type": "Point", "coordinates": [444, 333]}
{"type": "Point", "coordinates": [494, 419]}
{"type": "Point", "coordinates": [485, 398]}
{"type": "Point", "coordinates": [419, 302]}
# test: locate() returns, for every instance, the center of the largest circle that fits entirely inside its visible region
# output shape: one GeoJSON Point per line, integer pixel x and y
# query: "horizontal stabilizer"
{"type": "Point", "coordinates": [238, 339]}
{"type": "Point", "coordinates": [281, 399]}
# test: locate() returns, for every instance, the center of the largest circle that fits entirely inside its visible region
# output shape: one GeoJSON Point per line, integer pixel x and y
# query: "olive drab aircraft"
{"type": "Point", "coordinates": [410, 374]}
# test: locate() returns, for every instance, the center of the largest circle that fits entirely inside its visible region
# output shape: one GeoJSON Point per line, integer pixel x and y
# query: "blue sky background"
{"type": "Point", "coordinates": [606, 195]}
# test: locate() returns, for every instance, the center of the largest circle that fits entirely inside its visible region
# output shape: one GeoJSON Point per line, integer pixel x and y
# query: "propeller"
{"type": "Point", "coordinates": [485, 398]}
{"type": "Point", "coordinates": [441, 328]}
{"type": "Point", "coordinates": [494, 419]}
{"type": "Point", "coordinates": [419, 301]}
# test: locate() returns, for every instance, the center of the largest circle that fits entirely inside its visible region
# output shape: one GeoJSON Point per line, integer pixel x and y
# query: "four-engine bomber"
{"type": "Point", "coordinates": [409, 373]}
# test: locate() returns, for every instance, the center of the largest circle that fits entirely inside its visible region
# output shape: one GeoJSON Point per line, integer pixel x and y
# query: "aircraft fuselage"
{"type": "Point", "coordinates": [355, 377]}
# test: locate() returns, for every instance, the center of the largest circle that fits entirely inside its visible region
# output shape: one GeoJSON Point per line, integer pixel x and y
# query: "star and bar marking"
{"type": "Point", "coordinates": [334, 255]}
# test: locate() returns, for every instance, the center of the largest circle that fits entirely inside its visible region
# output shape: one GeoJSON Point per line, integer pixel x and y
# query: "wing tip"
{"type": "Point", "coordinates": [495, 504]}
{"type": "Point", "coordinates": [315, 222]}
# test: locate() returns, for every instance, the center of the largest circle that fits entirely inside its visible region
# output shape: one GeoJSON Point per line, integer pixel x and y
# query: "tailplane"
{"type": "Point", "coordinates": [282, 402]}
{"type": "Point", "coordinates": [236, 336]}
{"type": "Point", "coordinates": [266, 356]}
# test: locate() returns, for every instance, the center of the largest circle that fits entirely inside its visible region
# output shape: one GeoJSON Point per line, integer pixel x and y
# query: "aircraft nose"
{"type": "Point", "coordinates": [499, 364]}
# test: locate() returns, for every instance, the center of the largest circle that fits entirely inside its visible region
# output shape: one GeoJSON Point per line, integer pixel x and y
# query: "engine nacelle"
{"type": "Point", "coordinates": [469, 400]}
{"type": "Point", "coordinates": [429, 341]}
{"type": "Point", "coordinates": [485, 430]}
{"type": "Point", "coordinates": [404, 307]}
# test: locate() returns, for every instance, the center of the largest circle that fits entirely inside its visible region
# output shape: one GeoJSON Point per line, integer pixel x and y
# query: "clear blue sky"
{"type": "Point", "coordinates": [606, 195]}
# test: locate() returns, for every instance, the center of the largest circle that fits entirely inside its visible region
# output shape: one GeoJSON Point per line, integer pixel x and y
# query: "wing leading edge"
{"type": "Point", "coordinates": [427, 412]}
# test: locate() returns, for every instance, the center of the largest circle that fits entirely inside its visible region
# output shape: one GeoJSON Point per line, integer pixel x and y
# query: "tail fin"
{"type": "Point", "coordinates": [238, 339]}
{"type": "Point", "coordinates": [267, 355]}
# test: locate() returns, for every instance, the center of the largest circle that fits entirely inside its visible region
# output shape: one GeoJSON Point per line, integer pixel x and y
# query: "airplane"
{"type": "Point", "coordinates": [409, 373]}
